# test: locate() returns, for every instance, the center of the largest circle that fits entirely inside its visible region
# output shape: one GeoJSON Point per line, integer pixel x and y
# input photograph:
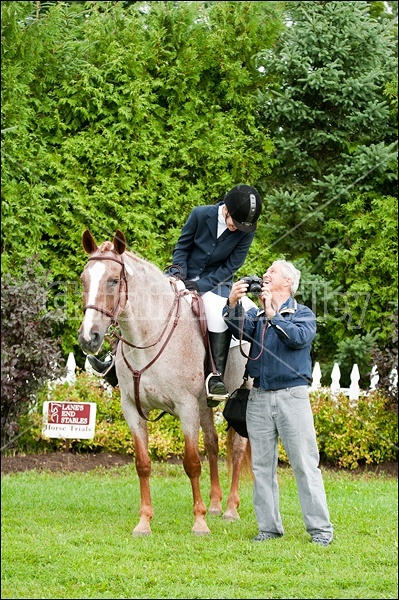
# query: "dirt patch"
{"type": "Point", "coordinates": [63, 461]}
{"type": "Point", "coordinates": [68, 461]}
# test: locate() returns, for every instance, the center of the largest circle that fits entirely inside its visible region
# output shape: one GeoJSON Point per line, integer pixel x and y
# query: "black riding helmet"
{"type": "Point", "coordinates": [244, 205]}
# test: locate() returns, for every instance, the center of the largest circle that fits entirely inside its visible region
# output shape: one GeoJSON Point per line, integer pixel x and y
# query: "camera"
{"type": "Point", "coordinates": [254, 284]}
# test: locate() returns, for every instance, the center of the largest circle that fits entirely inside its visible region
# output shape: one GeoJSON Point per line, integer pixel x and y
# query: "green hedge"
{"type": "Point", "coordinates": [350, 434]}
{"type": "Point", "coordinates": [165, 437]}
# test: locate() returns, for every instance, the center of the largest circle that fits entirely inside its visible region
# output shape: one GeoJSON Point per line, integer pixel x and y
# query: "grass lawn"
{"type": "Point", "coordinates": [68, 535]}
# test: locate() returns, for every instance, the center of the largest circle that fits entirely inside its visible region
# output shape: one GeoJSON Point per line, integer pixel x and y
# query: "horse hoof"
{"type": "Point", "coordinates": [201, 532]}
{"type": "Point", "coordinates": [201, 528]}
{"type": "Point", "coordinates": [141, 533]}
{"type": "Point", "coordinates": [231, 515]}
{"type": "Point", "coordinates": [214, 511]}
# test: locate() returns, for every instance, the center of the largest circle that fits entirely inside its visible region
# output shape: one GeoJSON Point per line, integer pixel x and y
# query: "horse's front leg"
{"type": "Point", "coordinates": [192, 466]}
{"type": "Point", "coordinates": [143, 468]}
{"type": "Point", "coordinates": [211, 442]}
{"type": "Point", "coordinates": [139, 431]}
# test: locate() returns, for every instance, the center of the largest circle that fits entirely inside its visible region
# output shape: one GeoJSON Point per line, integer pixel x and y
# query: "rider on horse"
{"type": "Point", "coordinates": [213, 245]}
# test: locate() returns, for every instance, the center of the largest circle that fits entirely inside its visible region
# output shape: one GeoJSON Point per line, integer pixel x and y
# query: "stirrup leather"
{"type": "Point", "coordinates": [212, 396]}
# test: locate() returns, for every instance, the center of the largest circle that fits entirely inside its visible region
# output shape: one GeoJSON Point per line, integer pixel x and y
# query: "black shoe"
{"type": "Point", "coordinates": [216, 390]}
{"type": "Point", "coordinates": [104, 367]}
{"type": "Point", "coordinates": [99, 365]}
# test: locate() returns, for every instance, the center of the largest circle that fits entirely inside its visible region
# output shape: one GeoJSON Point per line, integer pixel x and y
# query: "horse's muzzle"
{"type": "Point", "coordinates": [91, 344]}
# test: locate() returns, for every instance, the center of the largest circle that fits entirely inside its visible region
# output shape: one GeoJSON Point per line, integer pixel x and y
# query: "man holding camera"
{"type": "Point", "coordinates": [281, 333]}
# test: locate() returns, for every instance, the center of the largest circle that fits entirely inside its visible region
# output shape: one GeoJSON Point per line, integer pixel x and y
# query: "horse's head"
{"type": "Point", "coordinates": [104, 289]}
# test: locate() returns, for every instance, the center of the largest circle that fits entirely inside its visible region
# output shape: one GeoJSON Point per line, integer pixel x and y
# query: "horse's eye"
{"type": "Point", "coordinates": [113, 282]}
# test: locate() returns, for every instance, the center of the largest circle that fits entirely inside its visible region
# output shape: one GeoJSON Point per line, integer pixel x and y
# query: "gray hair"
{"type": "Point", "coordinates": [288, 270]}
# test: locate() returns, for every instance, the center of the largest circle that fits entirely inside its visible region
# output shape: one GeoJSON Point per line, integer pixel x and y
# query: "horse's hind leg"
{"type": "Point", "coordinates": [192, 466]}
{"type": "Point", "coordinates": [211, 443]}
{"type": "Point", "coordinates": [237, 451]}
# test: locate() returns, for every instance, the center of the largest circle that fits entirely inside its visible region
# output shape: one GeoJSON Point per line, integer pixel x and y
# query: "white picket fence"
{"type": "Point", "coordinates": [353, 391]}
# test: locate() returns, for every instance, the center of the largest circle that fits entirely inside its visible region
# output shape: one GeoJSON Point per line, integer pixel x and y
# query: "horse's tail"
{"type": "Point", "coordinates": [237, 446]}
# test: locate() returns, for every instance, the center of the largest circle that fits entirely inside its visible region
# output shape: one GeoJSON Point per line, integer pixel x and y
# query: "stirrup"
{"type": "Point", "coordinates": [212, 398]}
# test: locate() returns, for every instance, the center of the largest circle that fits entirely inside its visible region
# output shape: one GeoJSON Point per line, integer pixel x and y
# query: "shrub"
{"type": "Point", "coordinates": [354, 433]}
{"type": "Point", "coordinates": [29, 354]}
{"type": "Point", "coordinates": [165, 437]}
{"type": "Point", "coordinates": [349, 434]}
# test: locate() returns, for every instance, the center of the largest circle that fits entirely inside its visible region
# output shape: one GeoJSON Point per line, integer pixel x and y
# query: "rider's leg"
{"type": "Point", "coordinates": [219, 341]}
{"type": "Point", "coordinates": [215, 386]}
{"type": "Point", "coordinates": [106, 368]}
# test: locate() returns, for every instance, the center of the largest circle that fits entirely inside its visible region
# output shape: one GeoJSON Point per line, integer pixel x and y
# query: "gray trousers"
{"type": "Point", "coordinates": [287, 414]}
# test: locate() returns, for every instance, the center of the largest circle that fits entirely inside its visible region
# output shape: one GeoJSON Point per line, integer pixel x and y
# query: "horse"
{"type": "Point", "coordinates": [159, 363]}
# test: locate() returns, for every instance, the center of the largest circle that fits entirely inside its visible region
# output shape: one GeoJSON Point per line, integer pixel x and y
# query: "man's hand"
{"type": "Point", "coordinates": [238, 290]}
{"type": "Point", "coordinates": [266, 298]}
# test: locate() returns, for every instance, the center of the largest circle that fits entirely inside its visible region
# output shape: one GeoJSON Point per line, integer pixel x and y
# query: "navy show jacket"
{"type": "Point", "coordinates": [199, 253]}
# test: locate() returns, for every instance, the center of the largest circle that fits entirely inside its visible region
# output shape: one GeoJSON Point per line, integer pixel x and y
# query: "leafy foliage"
{"type": "Point", "coordinates": [165, 437]}
{"type": "Point", "coordinates": [128, 118]}
{"type": "Point", "coordinates": [129, 114]}
{"type": "Point", "coordinates": [331, 107]}
{"type": "Point", "coordinates": [365, 266]}
{"type": "Point", "coordinates": [349, 434]}
{"type": "Point", "coordinates": [30, 355]}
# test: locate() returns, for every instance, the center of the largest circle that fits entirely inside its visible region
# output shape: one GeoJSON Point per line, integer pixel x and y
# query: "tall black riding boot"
{"type": "Point", "coordinates": [215, 387]}
{"type": "Point", "coordinates": [106, 368]}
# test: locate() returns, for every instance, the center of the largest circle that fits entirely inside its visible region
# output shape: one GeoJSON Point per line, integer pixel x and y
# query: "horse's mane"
{"type": "Point", "coordinates": [143, 262]}
{"type": "Point", "coordinates": [109, 247]}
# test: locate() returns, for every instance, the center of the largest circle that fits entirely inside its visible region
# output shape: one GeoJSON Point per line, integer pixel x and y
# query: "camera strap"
{"type": "Point", "coordinates": [265, 325]}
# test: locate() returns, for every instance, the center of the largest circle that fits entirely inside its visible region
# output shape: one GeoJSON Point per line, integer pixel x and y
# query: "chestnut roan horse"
{"type": "Point", "coordinates": [159, 364]}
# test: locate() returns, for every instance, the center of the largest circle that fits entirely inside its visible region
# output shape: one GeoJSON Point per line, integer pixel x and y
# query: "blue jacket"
{"type": "Point", "coordinates": [287, 340]}
{"type": "Point", "coordinates": [199, 253]}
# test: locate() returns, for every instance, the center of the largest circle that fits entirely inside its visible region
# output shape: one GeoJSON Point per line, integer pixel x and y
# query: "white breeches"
{"type": "Point", "coordinates": [213, 306]}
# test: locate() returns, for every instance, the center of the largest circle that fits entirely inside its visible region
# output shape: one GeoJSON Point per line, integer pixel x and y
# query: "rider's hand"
{"type": "Point", "coordinates": [191, 285]}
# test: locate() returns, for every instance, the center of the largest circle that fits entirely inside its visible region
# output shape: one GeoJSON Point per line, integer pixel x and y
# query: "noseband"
{"type": "Point", "coordinates": [122, 281]}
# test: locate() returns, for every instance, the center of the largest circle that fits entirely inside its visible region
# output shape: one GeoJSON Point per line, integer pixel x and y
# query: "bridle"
{"type": "Point", "coordinates": [122, 282]}
{"type": "Point", "coordinates": [175, 308]}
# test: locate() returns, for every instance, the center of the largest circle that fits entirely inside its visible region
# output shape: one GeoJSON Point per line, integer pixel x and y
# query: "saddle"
{"type": "Point", "coordinates": [197, 306]}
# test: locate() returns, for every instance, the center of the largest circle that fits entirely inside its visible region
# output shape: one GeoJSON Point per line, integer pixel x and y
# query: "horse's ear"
{"type": "Point", "coordinates": [119, 242]}
{"type": "Point", "coordinates": [88, 242]}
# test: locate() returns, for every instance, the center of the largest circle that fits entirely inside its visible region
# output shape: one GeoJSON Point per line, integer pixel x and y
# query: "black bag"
{"type": "Point", "coordinates": [235, 410]}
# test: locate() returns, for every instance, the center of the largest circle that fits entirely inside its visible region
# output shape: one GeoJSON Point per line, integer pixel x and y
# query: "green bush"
{"type": "Point", "coordinates": [354, 433]}
{"type": "Point", "coordinates": [349, 433]}
{"type": "Point", "coordinates": [165, 437]}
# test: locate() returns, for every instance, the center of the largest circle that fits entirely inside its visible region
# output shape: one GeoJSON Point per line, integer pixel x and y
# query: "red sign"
{"type": "Point", "coordinates": [69, 413]}
{"type": "Point", "coordinates": [69, 419]}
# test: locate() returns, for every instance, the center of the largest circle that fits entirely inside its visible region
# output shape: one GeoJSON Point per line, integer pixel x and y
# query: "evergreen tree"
{"type": "Point", "coordinates": [331, 123]}
{"type": "Point", "coordinates": [331, 196]}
